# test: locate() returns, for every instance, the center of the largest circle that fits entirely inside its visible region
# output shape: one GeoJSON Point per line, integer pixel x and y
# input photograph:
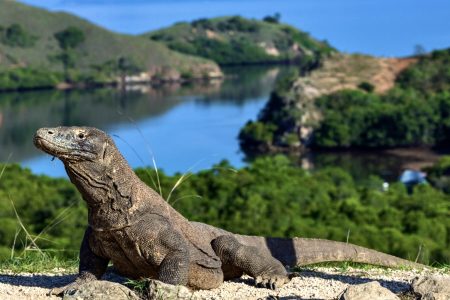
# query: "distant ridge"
{"type": "Point", "coordinates": [99, 47]}
{"type": "Point", "coordinates": [237, 40]}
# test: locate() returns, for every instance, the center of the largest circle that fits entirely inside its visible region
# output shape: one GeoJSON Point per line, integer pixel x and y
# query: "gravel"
{"type": "Point", "coordinates": [316, 283]}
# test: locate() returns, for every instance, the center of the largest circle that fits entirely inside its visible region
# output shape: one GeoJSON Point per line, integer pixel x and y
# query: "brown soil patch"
{"type": "Point", "coordinates": [389, 69]}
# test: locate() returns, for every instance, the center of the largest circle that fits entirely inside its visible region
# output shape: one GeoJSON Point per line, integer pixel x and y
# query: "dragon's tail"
{"type": "Point", "coordinates": [303, 251]}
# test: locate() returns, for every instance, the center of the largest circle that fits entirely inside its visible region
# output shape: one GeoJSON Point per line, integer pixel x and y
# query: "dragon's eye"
{"type": "Point", "coordinates": [81, 135]}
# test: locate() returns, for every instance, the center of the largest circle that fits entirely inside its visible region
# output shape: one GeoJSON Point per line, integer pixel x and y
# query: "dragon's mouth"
{"type": "Point", "coordinates": [50, 147]}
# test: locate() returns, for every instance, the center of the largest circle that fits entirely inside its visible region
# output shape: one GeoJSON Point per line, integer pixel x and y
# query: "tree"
{"type": "Point", "coordinates": [68, 39]}
{"type": "Point", "coordinates": [126, 65]}
{"type": "Point", "coordinates": [419, 50]}
{"type": "Point", "coordinates": [203, 23]}
{"type": "Point", "coordinates": [275, 19]}
{"type": "Point", "coordinates": [67, 58]}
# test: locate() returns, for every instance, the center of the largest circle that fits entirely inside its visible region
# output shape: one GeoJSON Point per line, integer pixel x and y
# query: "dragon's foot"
{"type": "Point", "coordinates": [67, 289]}
{"type": "Point", "coordinates": [71, 288]}
{"type": "Point", "coordinates": [271, 281]}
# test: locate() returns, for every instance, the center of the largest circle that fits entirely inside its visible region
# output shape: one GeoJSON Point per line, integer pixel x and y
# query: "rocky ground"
{"type": "Point", "coordinates": [316, 283]}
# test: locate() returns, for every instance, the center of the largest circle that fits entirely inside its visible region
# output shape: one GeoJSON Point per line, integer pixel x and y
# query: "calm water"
{"type": "Point", "coordinates": [181, 127]}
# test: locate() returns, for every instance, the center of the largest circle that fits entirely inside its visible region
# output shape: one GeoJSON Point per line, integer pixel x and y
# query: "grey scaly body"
{"type": "Point", "coordinates": [133, 227]}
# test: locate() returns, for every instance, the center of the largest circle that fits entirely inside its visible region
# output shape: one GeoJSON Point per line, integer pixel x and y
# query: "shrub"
{"type": "Point", "coordinates": [366, 86]}
{"type": "Point", "coordinates": [25, 78]}
{"type": "Point", "coordinates": [203, 24]}
{"type": "Point", "coordinates": [269, 197]}
{"type": "Point", "coordinates": [16, 36]}
{"type": "Point", "coordinates": [275, 19]}
{"type": "Point", "coordinates": [357, 119]}
{"type": "Point", "coordinates": [238, 23]}
{"type": "Point", "coordinates": [257, 135]}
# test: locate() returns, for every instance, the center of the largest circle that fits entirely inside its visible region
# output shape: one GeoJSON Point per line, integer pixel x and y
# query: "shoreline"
{"type": "Point", "coordinates": [64, 86]}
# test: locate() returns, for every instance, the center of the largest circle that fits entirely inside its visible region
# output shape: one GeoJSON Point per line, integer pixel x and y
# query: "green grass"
{"type": "Point", "coordinates": [34, 262]}
{"type": "Point", "coordinates": [341, 266]}
{"type": "Point", "coordinates": [444, 268]}
{"type": "Point", "coordinates": [139, 286]}
{"type": "Point", "coordinates": [345, 266]}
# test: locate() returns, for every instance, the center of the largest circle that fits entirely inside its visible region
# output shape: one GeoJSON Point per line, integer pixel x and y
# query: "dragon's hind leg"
{"type": "Point", "coordinates": [238, 258]}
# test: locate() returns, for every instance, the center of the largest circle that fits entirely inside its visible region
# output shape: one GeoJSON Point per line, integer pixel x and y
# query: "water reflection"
{"type": "Point", "coordinates": [23, 113]}
{"type": "Point", "coordinates": [181, 124]}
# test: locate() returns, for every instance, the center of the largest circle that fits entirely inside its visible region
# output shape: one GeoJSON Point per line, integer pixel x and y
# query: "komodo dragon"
{"type": "Point", "coordinates": [144, 237]}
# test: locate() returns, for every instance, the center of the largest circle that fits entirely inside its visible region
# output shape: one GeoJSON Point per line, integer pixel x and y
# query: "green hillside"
{"type": "Point", "coordinates": [27, 40]}
{"type": "Point", "coordinates": [236, 40]}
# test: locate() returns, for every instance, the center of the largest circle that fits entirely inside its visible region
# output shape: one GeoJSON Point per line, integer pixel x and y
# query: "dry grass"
{"type": "Point", "coordinates": [343, 71]}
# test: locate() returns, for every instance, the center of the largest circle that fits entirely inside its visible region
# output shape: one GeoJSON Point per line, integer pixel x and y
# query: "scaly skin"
{"type": "Point", "coordinates": [132, 226]}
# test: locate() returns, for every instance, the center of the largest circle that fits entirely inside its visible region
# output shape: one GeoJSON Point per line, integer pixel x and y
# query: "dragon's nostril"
{"type": "Point", "coordinates": [50, 131]}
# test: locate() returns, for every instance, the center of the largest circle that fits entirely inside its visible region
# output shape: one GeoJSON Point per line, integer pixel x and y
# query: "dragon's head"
{"type": "Point", "coordinates": [74, 144]}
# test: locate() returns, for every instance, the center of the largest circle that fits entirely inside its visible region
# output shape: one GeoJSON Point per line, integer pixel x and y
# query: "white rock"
{"type": "Point", "coordinates": [371, 290]}
{"type": "Point", "coordinates": [432, 287]}
{"type": "Point", "coordinates": [101, 289]}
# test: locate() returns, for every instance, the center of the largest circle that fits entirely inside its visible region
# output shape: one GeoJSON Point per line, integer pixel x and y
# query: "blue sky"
{"type": "Point", "coordinates": [378, 27]}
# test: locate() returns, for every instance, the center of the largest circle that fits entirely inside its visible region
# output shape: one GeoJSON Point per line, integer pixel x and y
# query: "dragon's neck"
{"type": "Point", "coordinates": [107, 190]}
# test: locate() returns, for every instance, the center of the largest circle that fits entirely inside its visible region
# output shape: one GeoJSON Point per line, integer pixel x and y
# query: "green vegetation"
{"type": "Point", "coordinates": [415, 112]}
{"type": "Point", "coordinates": [429, 75]}
{"type": "Point", "coordinates": [41, 203]}
{"type": "Point", "coordinates": [236, 40]}
{"type": "Point", "coordinates": [36, 39]}
{"type": "Point", "coordinates": [439, 174]}
{"type": "Point", "coordinates": [366, 86]}
{"type": "Point", "coordinates": [26, 78]}
{"type": "Point", "coordinates": [19, 79]}
{"type": "Point", "coordinates": [279, 115]}
{"type": "Point", "coordinates": [242, 52]}
{"type": "Point", "coordinates": [399, 118]}
{"type": "Point", "coordinates": [68, 39]}
{"type": "Point", "coordinates": [36, 262]}
{"type": "Point", "coordinates": [273, 19]}
{"type": "Point", "coordinates": [15, 36]}
{"type": "Point", "coordinates": [270, 197]}
{"type": "Point", "coordinates": [257, 136]}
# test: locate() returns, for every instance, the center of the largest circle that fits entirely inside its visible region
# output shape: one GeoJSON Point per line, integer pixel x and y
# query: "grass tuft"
{"type": "Point", "coordinates": [139, 286]}
{"type": "Point", "coordinates": [345, 266]}
{"type": "Point", "coordinates": [33, 262]}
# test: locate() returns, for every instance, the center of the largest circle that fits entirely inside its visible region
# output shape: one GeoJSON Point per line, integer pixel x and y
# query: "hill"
{"type": "Point", "coordinates": [27, 40]}
{"type": "Point", "coordinates": [357, 101]}
{"type": "Point", "coordinates": [236, 40]}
